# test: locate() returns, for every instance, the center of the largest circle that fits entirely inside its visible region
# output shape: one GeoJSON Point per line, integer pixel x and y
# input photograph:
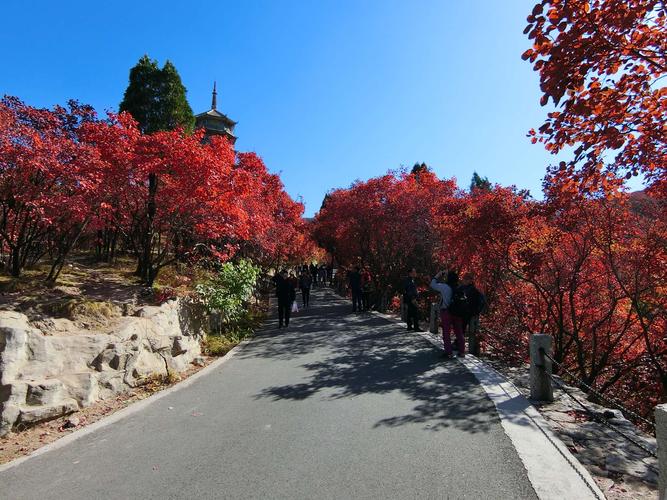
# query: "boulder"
{"type": "Point", "coordinates": [29, 415]}
{"type": "Point", "coordinates": [44, 376]}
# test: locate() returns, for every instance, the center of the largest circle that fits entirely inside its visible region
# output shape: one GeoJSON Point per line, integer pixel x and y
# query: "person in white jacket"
{"type": "Point", "coordinates": [448, 320]}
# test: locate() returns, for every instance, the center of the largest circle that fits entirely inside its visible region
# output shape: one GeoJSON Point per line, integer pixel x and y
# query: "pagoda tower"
{"type": "Point", "coordinates": [214, 122]}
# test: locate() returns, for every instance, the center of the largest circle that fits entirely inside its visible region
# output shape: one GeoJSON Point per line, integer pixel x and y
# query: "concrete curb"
{"type": "Point", "coordinates": [553, 471]}
{"type": "Point", "coordinates": [126, 412]}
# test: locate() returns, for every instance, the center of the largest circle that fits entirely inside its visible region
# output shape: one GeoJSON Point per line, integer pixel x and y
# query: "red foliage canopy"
{"type": "Point", "coordinates": [601, 62]}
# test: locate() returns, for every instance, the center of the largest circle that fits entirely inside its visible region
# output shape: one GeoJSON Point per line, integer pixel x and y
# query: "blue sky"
{"type": "Point", "coordinates": [326, 91]}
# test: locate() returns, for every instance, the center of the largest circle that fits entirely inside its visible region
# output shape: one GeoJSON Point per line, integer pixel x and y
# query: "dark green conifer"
{"type": "Point", "coordinates": [156, 97]}
{"type": "Point", "coordinates": [481, 183]}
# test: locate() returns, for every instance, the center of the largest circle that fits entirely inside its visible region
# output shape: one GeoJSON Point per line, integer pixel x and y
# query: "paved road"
{"type": "Point", "coordinates": [338, 406]}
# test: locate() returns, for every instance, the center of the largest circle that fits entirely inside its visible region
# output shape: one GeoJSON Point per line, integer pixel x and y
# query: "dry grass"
{"type": "Point", "coordinates": [82, 309]}
{"type": "Point", "coordinates": [218, 345]}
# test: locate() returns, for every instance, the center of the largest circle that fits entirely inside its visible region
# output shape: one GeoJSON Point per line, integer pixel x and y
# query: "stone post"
{"type": "Point", "coordinates": [540, 368]}
{"type": "Point", "coordinates": [473, 338]}
{"type": "Point", "coordinates": [435, 313]}
{"type": "Point", "coordinates": [661, 437]}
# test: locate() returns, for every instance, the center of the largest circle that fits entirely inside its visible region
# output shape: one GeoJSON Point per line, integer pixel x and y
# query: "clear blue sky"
{"type": "Point", "coordinates": [326, 91]}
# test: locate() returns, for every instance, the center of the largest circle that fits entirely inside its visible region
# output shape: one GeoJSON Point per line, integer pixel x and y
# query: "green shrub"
{"type": "Point", "coordinates": [229, 291]}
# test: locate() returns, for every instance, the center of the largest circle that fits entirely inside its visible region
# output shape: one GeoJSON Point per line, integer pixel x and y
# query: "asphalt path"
{"type": "Point", "coordinates": [339, 405]}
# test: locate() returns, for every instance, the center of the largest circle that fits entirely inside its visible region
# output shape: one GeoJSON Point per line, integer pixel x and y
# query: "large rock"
{"type": "Point", "coordinates": [46, 376]}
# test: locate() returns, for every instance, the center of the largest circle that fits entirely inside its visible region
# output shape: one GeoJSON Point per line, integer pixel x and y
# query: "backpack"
{"type": "Point", "coordinates": [461, 305]}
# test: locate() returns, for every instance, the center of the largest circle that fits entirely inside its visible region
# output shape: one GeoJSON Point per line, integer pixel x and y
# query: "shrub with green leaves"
{"type": "Point", "coordinates": [228, 291]}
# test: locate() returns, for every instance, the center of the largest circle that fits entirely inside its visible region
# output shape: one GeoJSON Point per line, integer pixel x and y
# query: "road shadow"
{"type": "Point", "coordinates": [367, 354]}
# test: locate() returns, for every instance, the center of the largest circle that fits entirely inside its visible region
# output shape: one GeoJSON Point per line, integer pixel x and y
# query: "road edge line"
{"type": "Point", "coordinates": [510, 404]}
{"type": "Point", "coordinates": [127, 411]}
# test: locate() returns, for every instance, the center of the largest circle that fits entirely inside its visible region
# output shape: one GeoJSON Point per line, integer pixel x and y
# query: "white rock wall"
{"type": "Point", "coordinates": [44, 376]}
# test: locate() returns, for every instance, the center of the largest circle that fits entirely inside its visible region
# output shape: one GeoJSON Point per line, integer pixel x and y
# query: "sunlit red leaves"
{"type": "Point", "coordinates": [601, 63]}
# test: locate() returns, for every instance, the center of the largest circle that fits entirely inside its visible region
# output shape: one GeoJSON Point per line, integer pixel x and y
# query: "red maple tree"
{"type": "Point", "coordinates": [601, 63]}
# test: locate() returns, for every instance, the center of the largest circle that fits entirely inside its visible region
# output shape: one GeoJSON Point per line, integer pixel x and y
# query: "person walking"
{"type": "Point", "coordinates": [447, 319]}
{"type": "Point", "coordinates": [410, 295]}
{"type": "Point", "coordinates": [286, 295]}
{"type": "Point", "coordinates": [305, 282]}
{"type": "Point", "coordinates": [366, 283]}
{"type": "Point", "coordinates": [313, 274]}
{"type": "Point", "coordinates": [354, 281]}
{"type": "Point", "coordinates": [322, 275]}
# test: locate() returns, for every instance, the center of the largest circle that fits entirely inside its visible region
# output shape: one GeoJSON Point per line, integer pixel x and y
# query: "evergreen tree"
{"type": "Point", "coordinates": [174, 110]}
{"type": "Point", "coordinates": [478, 182]}
{"type": "Point", "coordinates": [156, 97]}
{"type": "Point", "coordinates": [418, 168]}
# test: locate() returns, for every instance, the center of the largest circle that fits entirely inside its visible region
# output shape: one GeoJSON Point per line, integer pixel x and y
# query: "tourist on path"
{"type": "Point", "coordinates": [355, 285]}
{"type": "Point", "coordinates": [313, 274]}
{"type": "Point", "coordinates": [446, 318]}
{"type": "Point", "coordinates": [475, 300]}
{"type": "Point", "coordinates": [286, 295]}
{"type": "Point", "coordinates": [305, 282]}
{"type": "Point", "coordinates": [366, 283]}
{"type": "Point", "coordinates": [410, 295]}
{"type": "Point", "coordinates": [322, 278]}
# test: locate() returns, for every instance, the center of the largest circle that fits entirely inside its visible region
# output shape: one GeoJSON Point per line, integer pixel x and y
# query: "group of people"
{"type": "Point", "coordinates": [360, 282]}
{"type": "Point", "coordinates": [459, 303]}
{"type": "Point", "coordinates": [287, 284]}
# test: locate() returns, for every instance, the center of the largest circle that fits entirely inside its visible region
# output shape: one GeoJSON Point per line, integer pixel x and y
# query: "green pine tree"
{"type": "Point", "coordinates": [418, 168]}
{"type": "Point", "coordinates": [156, 97]}
{"type": "Point", "coordinates": [481, 183]}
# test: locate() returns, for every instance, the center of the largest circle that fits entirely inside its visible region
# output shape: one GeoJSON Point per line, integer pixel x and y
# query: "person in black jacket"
{"type": "Point", "coordinates": [305, 282]}
{"type": "Point", "coordinates": [286, 294]}
{"type": "Point", "coordinates": [410, 295]}
{"type": "Point", "coordinates": [355, 286]}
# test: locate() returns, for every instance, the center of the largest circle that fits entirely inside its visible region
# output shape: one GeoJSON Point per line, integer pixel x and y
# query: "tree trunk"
{"type": "Point", "coordinates": [148, 235]}
{"type": "Point", "coordinates": [16, 263]}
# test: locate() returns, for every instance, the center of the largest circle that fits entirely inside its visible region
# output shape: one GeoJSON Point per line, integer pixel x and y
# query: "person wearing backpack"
{"type": "Point", "coordinates": [449, 303]}
{"type": "Point", "coordinates": [475, 300]}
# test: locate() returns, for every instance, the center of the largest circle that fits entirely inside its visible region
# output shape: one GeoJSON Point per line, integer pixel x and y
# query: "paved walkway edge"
{"type": "Point", "coordinates": [552, 470]}
{"type": "Point", "coordinates": [126, 412]}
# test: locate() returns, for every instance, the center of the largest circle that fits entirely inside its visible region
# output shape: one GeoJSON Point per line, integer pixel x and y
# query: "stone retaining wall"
{"type": "Point", "coordinates": [44, 376]}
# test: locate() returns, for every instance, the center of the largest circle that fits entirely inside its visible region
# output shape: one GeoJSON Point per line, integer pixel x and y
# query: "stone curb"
{"type": "Point", "coordinates": [126, 412]}
{"type": "Point", "coordinates": [552, 470]}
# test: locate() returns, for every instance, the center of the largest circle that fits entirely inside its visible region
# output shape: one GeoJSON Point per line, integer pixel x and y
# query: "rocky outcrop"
{"type": "Point", "coordinates": [44, 377]}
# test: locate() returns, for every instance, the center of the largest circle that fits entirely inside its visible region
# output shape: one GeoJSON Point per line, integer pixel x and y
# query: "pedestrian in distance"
{"type": "Point", "coordinates": [472, 301]}
{"type": "Point", "coordinates": [447, 319]}
{"type": "Point", "coordinates": [330, 275]}
{"type": "Point", "coordinates": [354, 282]}
{"type": "Point", "coordinates": [313, 274]}
{"type": "Point", "coordinates": [322, 275]}
{"type": "Point", "coordinates": [305, 282]}
{"type": "Point", "coordinates": [410, 295]}
{"type": "Point", "coordinates": [366, 284]}
{"type": "Point", "coordinates": [286, 294]}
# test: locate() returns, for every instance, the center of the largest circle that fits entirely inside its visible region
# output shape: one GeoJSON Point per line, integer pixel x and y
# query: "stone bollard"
{"type": "Point", "coordinates": [473, 338]}
{"type": "Point", "coordinates": [661, 437]}
{"type": "Point", "coordinates": [435, 313]}
{"type": "Point", "coordinates": [540, 368]}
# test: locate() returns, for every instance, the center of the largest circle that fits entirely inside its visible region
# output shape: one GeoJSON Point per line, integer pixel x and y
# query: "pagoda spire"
{"type": "Point", "coordinates": [214, 100]}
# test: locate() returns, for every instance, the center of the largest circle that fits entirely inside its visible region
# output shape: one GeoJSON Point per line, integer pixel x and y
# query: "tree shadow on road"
{"type": "Point", "coordinates": [367, 354]}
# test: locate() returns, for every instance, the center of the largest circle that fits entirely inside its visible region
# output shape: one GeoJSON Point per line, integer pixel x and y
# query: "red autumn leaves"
{"type": "Point", "coordinates": [592, 273]}
{"type": "Point", "coordinates": [65, 175]}
{"type": "Point", "coordinates": [601, 63]}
